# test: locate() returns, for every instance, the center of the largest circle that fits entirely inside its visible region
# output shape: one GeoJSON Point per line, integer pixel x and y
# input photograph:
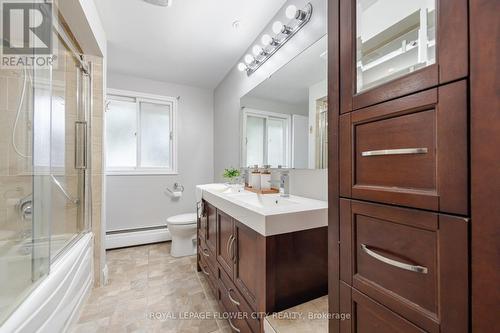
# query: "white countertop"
{"type": "Point", "coordinates": [268, 214]}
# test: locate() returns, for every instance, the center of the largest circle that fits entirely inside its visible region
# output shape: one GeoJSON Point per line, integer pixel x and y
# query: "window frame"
{"type": "Point", "coordinates": [139, 98]}
{"type": "Point", "coordinates": [287, 118]}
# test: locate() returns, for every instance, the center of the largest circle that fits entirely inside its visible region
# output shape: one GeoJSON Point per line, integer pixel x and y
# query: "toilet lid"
{"type": "Point", "coordinates": [182, 219]}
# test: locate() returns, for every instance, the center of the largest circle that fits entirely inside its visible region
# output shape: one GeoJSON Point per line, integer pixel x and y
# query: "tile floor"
{"type": "Point", "coordinates": [147, 288]}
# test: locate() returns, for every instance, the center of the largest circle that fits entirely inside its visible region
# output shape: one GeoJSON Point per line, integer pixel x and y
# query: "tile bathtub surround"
{"type": "Point", "coordinates": [147, 288]}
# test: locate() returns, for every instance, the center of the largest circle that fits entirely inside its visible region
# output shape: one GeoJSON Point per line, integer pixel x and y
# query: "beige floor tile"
{"type": "Point", "coordinates": [146, 283]}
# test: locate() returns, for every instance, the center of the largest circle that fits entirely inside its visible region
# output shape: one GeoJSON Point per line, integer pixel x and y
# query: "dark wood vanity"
{"type": "Point", "coordinates": [252, 275]}
{"type": "Point", "coordinates": [400, 192]}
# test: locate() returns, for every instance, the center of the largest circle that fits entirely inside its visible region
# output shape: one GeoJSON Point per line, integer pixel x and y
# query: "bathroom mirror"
{"type": "Point", "coordinates": [284, 119]}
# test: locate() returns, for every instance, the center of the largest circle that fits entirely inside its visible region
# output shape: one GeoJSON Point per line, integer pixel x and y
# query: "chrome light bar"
{"type": "Point", "coordinates": [282, 34]}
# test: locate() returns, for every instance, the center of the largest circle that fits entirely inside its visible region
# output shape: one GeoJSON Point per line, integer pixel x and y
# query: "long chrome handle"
{"type": "Point", "coordinates": [61, 188]}
{"type": "Point", "coordinates": [231, 298]}
{"type": "Point", "coordinates": [205, 253]}
{"type": "Point", "coordinates": [234, 328]}
{"type": "Point", "coordinates": [402, 151]}
{"type": "Point", "coordinates": [227, 245]}
{"type": "Point", "coordinates": [395, 263]}
{"type": "Point", "coordinates": [81, 145]}
{"type": "Point", "coordinates": [204, 271]}
{"type": "Point", "coordinates": [231, 249]}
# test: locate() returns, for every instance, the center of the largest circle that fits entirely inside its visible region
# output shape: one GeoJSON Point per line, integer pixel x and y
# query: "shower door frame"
{"type": "Point", "coordinates": [84, 101]}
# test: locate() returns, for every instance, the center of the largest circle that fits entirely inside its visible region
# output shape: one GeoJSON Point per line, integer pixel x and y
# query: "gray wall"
{"type": "Point", "coordinates": [140, 200]}
{"type": "Point", "coordinates": [312, 183]}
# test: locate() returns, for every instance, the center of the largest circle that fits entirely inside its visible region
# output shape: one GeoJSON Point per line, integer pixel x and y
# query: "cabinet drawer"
{"type": "Point", "coordinates": [368, 316]}
{"type": "Point", "coordinates": [209, 270]}
{"type": "Point", "coordinates": [410, 151]}
{"type": "Point", "coordinates": [206, 252]}
{"type": "Point", "coordinates": [234, 302]}
{"type": "Point", "coordinates": [413, 262]}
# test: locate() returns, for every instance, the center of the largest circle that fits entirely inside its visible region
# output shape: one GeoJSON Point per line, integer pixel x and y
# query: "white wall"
{"type": "Point", "coordinates": [236, 84]}
{"type": "Point", "coordinates": [140, 201]}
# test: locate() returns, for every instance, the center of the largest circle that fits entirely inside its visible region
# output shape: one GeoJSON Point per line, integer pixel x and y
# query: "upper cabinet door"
{"type": "Point", "coordinates": [392, 48]}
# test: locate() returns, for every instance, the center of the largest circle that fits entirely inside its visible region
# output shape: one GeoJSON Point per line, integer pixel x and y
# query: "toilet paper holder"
{"type": "Point", "coordinates": [176, 192]}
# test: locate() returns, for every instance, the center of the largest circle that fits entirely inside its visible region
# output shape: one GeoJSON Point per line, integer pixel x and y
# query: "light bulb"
{"type": "Point", "coordinates": [242, 67]}
{"type": "Point", "coordinates": [266, 40]}
{"type": "Point", "coordinates": [291, 12]}
{"type": "Point", "coordinates": [277, 27]}
{"type": "Point", "coordinates": [257, 50]}
{"type": "Point", "coordinates": [249, 59]}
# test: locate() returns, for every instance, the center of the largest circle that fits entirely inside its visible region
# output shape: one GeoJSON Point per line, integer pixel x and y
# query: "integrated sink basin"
{"type": "Point", "coordinates": [268, 214]}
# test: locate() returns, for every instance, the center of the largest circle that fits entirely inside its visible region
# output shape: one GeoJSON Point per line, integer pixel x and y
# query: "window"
{"type": "Point", "coordinates": [266, 138]}
{"type": "Point", "coordinates": [140, 134]}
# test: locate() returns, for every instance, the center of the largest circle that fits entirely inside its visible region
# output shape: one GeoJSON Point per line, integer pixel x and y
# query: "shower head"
{"type": "Point", "coordinates": [162, 3]}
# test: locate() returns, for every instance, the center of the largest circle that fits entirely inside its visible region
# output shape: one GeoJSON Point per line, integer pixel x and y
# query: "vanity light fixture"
{"type": "Point", "coordinates": [272, 43]}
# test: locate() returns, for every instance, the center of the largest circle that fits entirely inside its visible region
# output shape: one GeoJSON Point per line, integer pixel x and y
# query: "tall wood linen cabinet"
{"type": "Point", "coordinates": [412, 125]}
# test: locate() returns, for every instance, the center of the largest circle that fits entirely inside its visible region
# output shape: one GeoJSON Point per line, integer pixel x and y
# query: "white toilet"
{"type": "Point", "coordinates": [183, 231]}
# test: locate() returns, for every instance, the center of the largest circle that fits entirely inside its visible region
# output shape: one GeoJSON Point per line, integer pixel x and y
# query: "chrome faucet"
{"type": "Point", "coordinates": [284, 183]}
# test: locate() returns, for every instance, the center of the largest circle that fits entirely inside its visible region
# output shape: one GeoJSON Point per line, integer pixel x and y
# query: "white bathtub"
{"type": "Point", "coordinates": [54, 302]}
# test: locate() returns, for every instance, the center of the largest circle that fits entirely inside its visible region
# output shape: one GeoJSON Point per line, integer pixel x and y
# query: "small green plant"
{"type": "Point", "coordinates": [231, 173]}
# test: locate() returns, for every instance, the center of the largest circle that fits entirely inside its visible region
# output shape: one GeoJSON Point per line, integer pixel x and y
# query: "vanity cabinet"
{"type": "Point", "coordinates": [251, 274]}
{"type": "Point", "coordinates": [417, 45]}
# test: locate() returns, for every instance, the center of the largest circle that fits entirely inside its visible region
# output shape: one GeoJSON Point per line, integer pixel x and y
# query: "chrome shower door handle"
{"type": "Point", "coordinates": [81, 142]}
{"type": "Point", "coordinates": [395, 263]}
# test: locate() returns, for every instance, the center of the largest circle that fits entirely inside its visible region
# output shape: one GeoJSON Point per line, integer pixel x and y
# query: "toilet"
{"type": "Point", "coordinates": [183, 231]}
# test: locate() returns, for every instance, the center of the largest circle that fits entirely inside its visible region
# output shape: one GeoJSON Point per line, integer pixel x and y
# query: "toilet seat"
{"type": "Point", "coordinates": [182, 219]}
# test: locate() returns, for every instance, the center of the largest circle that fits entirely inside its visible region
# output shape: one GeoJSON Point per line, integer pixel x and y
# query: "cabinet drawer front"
{"type": "Point", "coordinates": [234, 301]}
{"type": "Point", "coordinates": [209, 271]}
{"type": "Point", "coordinates": [207, 254]}
{"type": "Point", "coordinates": [411, 151]}
{"type": "Point", "coordinates": [368, 316]}
{"type": "Point", "coordinates": [410, 261]}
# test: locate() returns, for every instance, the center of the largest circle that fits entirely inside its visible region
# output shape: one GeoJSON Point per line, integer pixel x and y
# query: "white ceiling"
{"type": "Point", "coordinates": [290, 84]}
{"type": "Point", "coordinates": [192, 42]}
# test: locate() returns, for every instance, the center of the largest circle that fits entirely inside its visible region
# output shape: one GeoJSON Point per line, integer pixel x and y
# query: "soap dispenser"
{"type": "Point", "coordinates": [255, 178]}
{"type": "Point", "coordinates": [265, 178]}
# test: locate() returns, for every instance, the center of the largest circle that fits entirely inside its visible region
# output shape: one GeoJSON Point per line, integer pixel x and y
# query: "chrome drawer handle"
{"type": "Point", "coordinates": [232, 326]}
{"type": "Point", "coordinates": [204, 271]}
{"type": "Point", "coordinates": [398, 264]}
{"type": "Point", "coordinates": [231, 298]}
{"type": "Point", "coordinates": [403, 151]}
{"type": "Point", "coordinates": [205, 253]}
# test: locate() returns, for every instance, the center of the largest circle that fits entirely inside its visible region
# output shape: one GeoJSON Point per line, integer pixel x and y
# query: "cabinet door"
{"type": "Point", "coordinates": [249, 258]}
{"type": "Point", "coordinates": [211, 228]}
{"type": "Point", "coordinates": [368, 316]}
{"type": "Point", "coordinates": [225, 241]}
{"type": "Point", "coordinates": [417, 45]}
{"type": "Point", "coordinates": [411, 151]}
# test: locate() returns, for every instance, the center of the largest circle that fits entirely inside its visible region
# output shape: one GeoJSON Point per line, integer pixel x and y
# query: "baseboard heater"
{"type": "Point", "coordinates": [133, 237]}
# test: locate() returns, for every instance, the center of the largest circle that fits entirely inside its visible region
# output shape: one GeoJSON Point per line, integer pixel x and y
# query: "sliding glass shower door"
{"type": "Point", "coordinates": [43, 167]}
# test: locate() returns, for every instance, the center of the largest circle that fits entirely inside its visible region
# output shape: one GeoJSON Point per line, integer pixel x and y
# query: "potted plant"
{"type": "Point", "coordinates": [231, 174]}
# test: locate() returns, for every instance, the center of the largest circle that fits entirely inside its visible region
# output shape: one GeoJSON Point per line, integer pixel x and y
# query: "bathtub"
{"type": "Point", "coordinates": [56, 299]}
